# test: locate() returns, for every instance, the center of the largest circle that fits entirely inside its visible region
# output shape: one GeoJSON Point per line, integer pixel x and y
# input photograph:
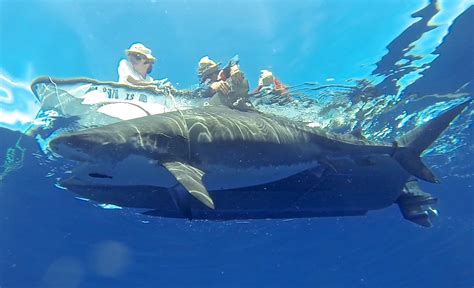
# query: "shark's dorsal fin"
{"type": "Point", "coordinates": [358, 134]}
{"type": "Point", "coordinates": [191, 179]}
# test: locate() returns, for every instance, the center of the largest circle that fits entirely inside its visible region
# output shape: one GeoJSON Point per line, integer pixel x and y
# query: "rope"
{"type": "Point", "coordinates": [175, 106]}
{"type": "Point", "coordinates": [10, 163]}
{"type": "Point", "coordinates": [57, 94]}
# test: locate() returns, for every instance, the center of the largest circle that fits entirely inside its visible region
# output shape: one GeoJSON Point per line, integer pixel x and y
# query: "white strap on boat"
{"type": "Point", "coordinates": [57, 94]}
{"type": "Point", "coordinates": [175, 105]}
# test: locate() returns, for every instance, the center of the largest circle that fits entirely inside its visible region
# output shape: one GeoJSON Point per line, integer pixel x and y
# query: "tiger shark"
{"type": "Point", "coordinates": [216, 148]}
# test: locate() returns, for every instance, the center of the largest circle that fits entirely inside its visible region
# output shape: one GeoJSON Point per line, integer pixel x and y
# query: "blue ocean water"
{"type": "Point", "coordinates": [415, 53]}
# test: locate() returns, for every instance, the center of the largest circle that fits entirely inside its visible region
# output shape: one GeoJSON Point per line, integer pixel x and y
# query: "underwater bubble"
{"type": "Point", "coordinates": [65, 272]}
{"type": "Point", "coordinates": [110, 258]}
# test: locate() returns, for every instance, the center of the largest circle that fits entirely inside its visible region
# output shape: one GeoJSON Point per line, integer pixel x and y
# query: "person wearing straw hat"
{"type": "Point", "coordinates": [136, 68]}
{"type": "Point", "coordinates": [211, 78]}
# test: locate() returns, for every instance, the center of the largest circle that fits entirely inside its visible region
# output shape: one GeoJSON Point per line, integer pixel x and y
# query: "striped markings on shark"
{"type": "Point", "coordinates": [198, 140]}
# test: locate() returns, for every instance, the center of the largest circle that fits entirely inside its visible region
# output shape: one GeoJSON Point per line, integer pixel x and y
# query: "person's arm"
{"type": "Point", "coordinates": [203, 91]}
{"type": "Point", "coordinates": [208, 89]}
{"type": "Point", "coordinates": [133, 81]}
{"type": "Point", "coordinates": [220, 86]}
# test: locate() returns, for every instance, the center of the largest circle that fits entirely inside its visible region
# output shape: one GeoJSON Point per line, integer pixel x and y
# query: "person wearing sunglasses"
{"type": "Point", "coordinates": [136, 68]}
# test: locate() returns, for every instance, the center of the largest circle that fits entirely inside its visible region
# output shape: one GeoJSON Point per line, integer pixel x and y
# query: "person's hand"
{"type": "Point", "coordinates": [220, 86]}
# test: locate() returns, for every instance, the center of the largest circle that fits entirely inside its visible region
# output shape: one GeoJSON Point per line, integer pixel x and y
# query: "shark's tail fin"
{"type": "Point", "coordinates": [410, 146]}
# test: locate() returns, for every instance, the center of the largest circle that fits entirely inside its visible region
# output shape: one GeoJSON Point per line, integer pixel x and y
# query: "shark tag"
{"type": "Point", "coordinates": [191, 179]}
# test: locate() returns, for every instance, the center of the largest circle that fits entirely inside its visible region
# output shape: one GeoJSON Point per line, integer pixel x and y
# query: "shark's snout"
{"type": "Point", "coordinates": [73, 147]}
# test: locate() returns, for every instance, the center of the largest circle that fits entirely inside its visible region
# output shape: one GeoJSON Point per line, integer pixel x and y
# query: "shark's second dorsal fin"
{"type": "Point", "coordinates": [358, 134]}
{"type": "Point", "coordinates": [191, 179]}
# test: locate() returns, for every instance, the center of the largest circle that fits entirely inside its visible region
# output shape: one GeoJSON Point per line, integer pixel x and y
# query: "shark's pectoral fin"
{"type": "Point", "coordinates": [191, 179]}
{"type": "Point", "coordinates": [364, 161]}
{"type": "Point", "coordinates": [326, 162]}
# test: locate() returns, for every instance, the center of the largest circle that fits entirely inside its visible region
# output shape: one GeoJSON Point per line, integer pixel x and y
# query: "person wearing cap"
{"type": "Point", "coordinates": [211, 78]}
{"type": "Point", "coordinates": [226, 86]}
{"type": "Point", "coordinates": [136, 68]}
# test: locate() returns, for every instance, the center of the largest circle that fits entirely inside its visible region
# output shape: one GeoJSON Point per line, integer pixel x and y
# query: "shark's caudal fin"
{"type": "Point", "coordinates": [410, 146]}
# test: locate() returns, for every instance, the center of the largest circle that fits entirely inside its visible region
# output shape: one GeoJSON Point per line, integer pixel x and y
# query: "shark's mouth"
{"type": "Point", "coordinates": [100, 175]}
{"type": "Point", "coordinates": [69, 152]}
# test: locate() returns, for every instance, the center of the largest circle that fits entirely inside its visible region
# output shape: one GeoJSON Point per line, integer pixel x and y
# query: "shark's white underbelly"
{"type": "Point", "coordinates": [137, 170]}
{"type": "Point", "coordinates": [220, 177]}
